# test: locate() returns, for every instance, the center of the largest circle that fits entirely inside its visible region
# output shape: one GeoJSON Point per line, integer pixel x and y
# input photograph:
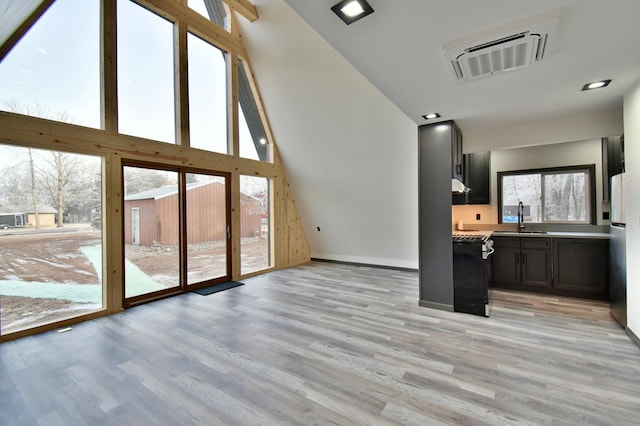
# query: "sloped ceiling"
{"type": "Point", "coordinates": [13, 14]}
{"type": "Point", "coordinates": [399, 49]}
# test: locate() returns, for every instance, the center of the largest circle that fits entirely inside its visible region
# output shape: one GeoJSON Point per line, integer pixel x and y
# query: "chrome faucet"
{"type": "Point", "coordinates": [520, 216]}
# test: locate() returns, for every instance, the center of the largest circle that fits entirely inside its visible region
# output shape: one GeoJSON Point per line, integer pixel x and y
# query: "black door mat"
{"type": "Point", "coordinates": [218, 287]}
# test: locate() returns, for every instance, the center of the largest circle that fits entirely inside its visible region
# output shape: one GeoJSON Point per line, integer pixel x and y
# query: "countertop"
{"type": "Point", "coordinates": [530, 234]}
{"type": "Point", "coordinates": [602, 235]}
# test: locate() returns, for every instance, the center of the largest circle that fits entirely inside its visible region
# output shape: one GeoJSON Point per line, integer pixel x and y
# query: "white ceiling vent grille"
{"type": "Point", "coordinates": [511, 48]}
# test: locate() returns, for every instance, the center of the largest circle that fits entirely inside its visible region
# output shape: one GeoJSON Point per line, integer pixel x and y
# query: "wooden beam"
{"type": "Point", "coordinates": [244, 8]}
{"type": "Point", "coordinates": [109, 75]}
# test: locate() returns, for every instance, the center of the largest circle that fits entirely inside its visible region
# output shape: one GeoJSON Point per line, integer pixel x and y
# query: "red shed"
{"type": "Point", "coordinates": [152, 216]}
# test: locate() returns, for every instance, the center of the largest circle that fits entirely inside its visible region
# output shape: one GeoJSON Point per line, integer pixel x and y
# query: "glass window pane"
{"type": "Point", "coordinates": [206, 227]}
{"type": "Point", "coordinates": [255, 242]}
{"type": "Point", "coordinates": [53, 72]}
{"type": "Point", "coordinates": [214, 10]}
{"type": "Point", "coordinates": [247, 147]}
{"type": "Point", "coordinates": [207, 96]}
{"type": "Point", "coordinates": [566, 197]}
{"type": "Point", "coordinates": [254, 143]}
{"type": "Point", "coordinates": [548, 196]}
{"type": "Point", "coordinates": [151, 233]}
{"type": "Point", "coordinates": [50, 236]}
{"type": "Point", "coordinates": [146, 105]}
{"type": "Point", "coordinates": [525, 188]}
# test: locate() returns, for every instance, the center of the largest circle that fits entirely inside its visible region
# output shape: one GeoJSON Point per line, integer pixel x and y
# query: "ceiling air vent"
{"type": "Point", "coordinates": [509, 48]}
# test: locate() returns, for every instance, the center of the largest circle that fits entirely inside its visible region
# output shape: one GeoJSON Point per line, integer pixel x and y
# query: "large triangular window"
{"type": "Point", "coordinates": [53, 71]}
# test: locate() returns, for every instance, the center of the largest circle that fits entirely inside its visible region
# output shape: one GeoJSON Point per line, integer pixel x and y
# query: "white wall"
{"type": "Point", "coordinates": [632, 167]}
{"type": "Point", "coordinates": [568, 129]}
{"type": "Point", "coordinates": [349, 153]}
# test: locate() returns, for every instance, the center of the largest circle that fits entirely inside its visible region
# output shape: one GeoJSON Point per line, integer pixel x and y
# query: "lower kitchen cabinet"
{"type": "Point", "coordinates": [521, 263]}
{"type": "Point", "coordinates": [581, 265]}
{"type": "Point", "coordinates": [536, 262]}
{"type": "Point", "coordinates": [505, 262]}
{"type": "Point", "coordinates": [575, 267]}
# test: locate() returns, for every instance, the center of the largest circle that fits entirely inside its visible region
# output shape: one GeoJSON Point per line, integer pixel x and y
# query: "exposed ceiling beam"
{"type": "Point", "coordinates": [244, 8]}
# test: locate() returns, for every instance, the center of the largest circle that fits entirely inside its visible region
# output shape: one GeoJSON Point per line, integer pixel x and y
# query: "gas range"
{"type": "Point", "coordinates": [460, 238]}
{"type": "Point", "coordinates": [479, 239]}
{"type": "Point", "coordinates": [471, 251]}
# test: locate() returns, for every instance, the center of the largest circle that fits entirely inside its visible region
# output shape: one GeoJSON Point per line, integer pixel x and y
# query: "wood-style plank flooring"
{"type": "Point", "coordinates": [327, 343]}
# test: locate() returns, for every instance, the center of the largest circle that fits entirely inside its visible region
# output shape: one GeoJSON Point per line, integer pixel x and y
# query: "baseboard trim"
{"type": "Point", "coordinates": [632, 336]}
{"type": "Point", "coordinates": [433, 305]}
{"type": "Point", "coordinates": [369, 265]}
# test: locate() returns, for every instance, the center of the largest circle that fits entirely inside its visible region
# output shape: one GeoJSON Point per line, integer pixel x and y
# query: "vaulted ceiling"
{"type": "Point", "coordinates": [399, 49]}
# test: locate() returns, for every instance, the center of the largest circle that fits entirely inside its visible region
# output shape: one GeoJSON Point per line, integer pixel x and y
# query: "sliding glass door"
{"type": "Point", "coordinates": [176, 231]}
{"type": "Point", "coordinates": [207, 228]}
{"type": "Point", "coordinates": [151, 232]}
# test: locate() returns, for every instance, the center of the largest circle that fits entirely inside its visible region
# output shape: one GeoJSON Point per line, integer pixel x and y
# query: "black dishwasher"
{"type": "Point", "coordinates": [470, 274]}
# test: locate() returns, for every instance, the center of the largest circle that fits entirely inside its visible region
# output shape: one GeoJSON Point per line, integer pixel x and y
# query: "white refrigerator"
{"type": "Point", "coordinates": [617, 251]}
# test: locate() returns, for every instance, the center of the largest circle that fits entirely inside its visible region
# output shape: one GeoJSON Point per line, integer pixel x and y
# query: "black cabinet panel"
{"type": "Point", "coordinates": [505, 262]}
{"type": "Point", "coordinates": [612, 162]}
{"type": "Point", "coordinates": [477, 168]}
{"type": "Point", "coordinates": [536, 268]}
{"type": "Point", "coordinates": [581, 265]}
{"type": "Point", "coordinates": [477, 177]}
{"type": "Point", "coordinates": [457, 171]}
{"type": "Point", "coordinates": [536, 262]}
{"type": "Point", "coordinates": [615, 154]}
{"type": "Point", "coordinates": [435, 245]}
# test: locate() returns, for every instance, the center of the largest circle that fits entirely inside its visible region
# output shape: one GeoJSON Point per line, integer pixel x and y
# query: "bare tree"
{"type": "Point", "coordinates": [34, 200]}
{"type": "Point", "coordinates": [140, 179]}
{"type": "Point", "coordinates": [57, 179]}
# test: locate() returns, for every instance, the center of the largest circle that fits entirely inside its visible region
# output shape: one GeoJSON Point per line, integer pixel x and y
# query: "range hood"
{"type": "Point", "coordinates": [457, 186]}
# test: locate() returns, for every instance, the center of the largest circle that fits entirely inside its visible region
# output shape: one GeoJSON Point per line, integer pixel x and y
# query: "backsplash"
{"type": "Point", "coordinates": [468, 215]}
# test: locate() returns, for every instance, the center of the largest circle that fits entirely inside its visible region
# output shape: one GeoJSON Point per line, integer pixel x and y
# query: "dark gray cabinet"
{"type": "Point", "coordinates": [575, 267]}
{"type": "Point", "coordinates": [505, 262]}
{"type": "Point", "coordinates": [434, 211]}
{"type": "Point", "coordinates": [521, 263]}
{"type": "Point", "coordinates": [612, 162]}
{"type": "Point", "coordinates": [477, 177]}
{"type": "Point", "coordinates": [581, 265]}
{"type": "Point", "coordinates": [457, 171]}
{"type": "Point", "coordinates": [536, 262]}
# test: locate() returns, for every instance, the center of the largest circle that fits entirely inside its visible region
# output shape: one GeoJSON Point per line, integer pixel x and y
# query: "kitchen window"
{"type": "Point", "coordinates": [552, 195]}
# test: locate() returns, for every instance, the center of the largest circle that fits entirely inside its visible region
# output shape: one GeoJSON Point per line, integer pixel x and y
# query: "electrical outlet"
{"type": "Point", "coordinates": [318, 228]}
{"type": "Point", "coordinates": [477, 216]}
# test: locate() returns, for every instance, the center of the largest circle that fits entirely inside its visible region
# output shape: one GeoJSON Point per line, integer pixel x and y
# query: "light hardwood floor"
{"type": "Point", "coordinates": [323, 344]}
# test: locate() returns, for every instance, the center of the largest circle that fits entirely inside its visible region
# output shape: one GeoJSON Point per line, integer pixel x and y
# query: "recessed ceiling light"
{"type": "Point", "coordinates": [596, 85]}
{"type": "Point", "coordinates": [431, 116]}
{"type": "Point", "coordinates": [352, 10]}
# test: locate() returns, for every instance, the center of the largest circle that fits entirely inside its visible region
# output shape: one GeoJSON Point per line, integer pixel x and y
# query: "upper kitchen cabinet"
{"type": "Point", "coordinates": [457, 159]}
{"type": "Point", "coordinates": [477, 175]}
{"type": "Point", "coordinates": [446, 132]}
{"type": "Point", "coordinates": [612, 161]}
